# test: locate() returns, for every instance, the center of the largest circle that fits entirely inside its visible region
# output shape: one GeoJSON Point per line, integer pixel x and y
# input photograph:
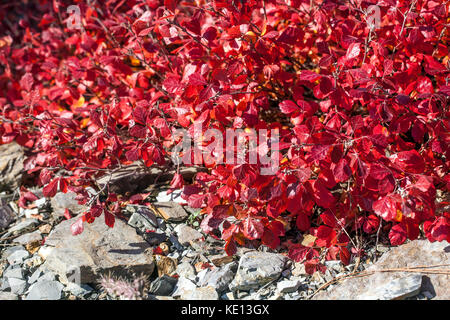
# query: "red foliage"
{"type": "Point", "coordinates": [362, 112]}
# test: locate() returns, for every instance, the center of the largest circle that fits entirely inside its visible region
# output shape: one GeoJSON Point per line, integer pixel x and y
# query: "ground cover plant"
{"type": "Point", "coordinates": [357, 91]}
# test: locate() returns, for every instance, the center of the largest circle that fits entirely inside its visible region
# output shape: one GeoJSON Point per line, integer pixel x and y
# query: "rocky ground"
{"type": "Point", "coordinates": [160, 253]}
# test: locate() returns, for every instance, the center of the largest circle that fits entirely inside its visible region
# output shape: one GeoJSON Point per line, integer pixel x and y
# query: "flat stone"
{"type": "Point", "coordinates": [18, 286]}
{"type": "Point", "coordinates": [97, 250]}
{"type": "Point", "coordinates": [221, 259]}
{"type": "Point", "coordinates": [8, 296]}
{"type": "Point", "coordinates": [175, 196]}
{"type": "Point", "coordinates": [23, 226]}
{"type": "Point", "coordinates": [155, 238]}
{"type": "Point", "coordinates": [163, 286]}
{"type": "Point", "coordinates": [204, 293]}
{"type": "Point", "coordinates": [413, 254]}
{"type": "Point", "coordinates": [78, 290]}
{"type": "Point", "coordinates": [45, 290]}
{"type": "Point", "coordinates": [29, 237]}
{"type": "Point", "coordinates": [170, 211]}
{"type": "Point", "coordinates": [13, 273]}
{"type": "Point", "coordinates": [7, 215]}
{"type": "Point", "coordinates": [186, 270]}
{"type": "Point", "coordinates": [257, 269]}
{"type": "Point", "coordinates": [398, 289]}
{"type": "Point", "coordinates": [11, 166]}
{"type": "Point", "coordinates": [298, 270]}
{"type": "Point", "coordinates": [62, 201]}
{"type": "Point", "coordinates": [187, 234]}
{"type": "Point", "coordinates": [136, 177]}
{"type": "Point", "coordinates": [219, 278]}
{"type": "Point", "coordinates": [45, 229]}
{"type": "Point", "coordinates": [35, 276]}
{"type": "Point", "coordinates": [48, 276]}
{"type": "Point", "coordinates": [183, 286]}
{"type": "Point", "coordinates": [287, 286]}
{"type": "Point", "coordinates": [10, 250]}
{"type": "Point", "coordinates": [143, 219]}
{"type": "Point", "coordinates": [4, 284]}
{"type": "Point", "coordinates": [17, 257]}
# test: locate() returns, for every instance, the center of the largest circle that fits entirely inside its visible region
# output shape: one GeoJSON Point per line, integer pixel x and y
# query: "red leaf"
{"type": "Point", "coordinates": [386, 207]}
{"type": "Point", "coordinates": [298, 253]}
{"type": "Point", "coordinates": [171, 4]}
{"type": "Point", "coordinates": [27, 81]}
{"type": "Point", "coordinates": [288, 106]}
{"type": "Point", "coordinates": [176, 183]}
{"type": "Point", "coordinates": [371, 224]}
{"type": "Point", "coordinates": [322, 195]}
{"type": "Point", "coordinates": [344, 255]}
{"type": "Point", "coordinates": [51, 189]}
{"type": "Point", "coordinates": [303, 223]}
{"type": "Point", "coordinates": [67, 214]}
{"type": "Point", "coordinates": [270, 239]}
{"type": "Point", "coordinates": [397, 235]}
{"type": "Point", "coordinates": [253, 229]}
{"type": "Point", "coordinates": [109, 218]}
{"type": "Point", "coordinates": [410, 161]}
{"type": "Point", "coordinates": [353, 51]}
{"type": "Point", "coordinates": [230, 247]}
{"type": "Point", "coordinates": [77, 227]}
{"type": "Point", "coordinates": [133, 154]}
{"type": "Point", "coordinates": [342, 171]}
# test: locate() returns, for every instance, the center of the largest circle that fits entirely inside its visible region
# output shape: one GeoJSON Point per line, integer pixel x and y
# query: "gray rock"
{"type": "Point", "coordinates": [29, 237]}
{"type": "Point", "coordinates": [163, 286]}
{"type": "Point", "coordinates": [143, 219]}
{"type": "Point", "coordinates": [219, 278]}
{"type": "Point", "coordinates": [171, 211]}
{"type": "Point", "coordinates": [23, 226]}
{"type": "Point", "coordinates": [299, 270]}
{"type": "Point", "coordinates": [28, 213]}
{"type": "Point", "coordinates": [7, 215]}
{"type": "Point", "coordinates": [187, 234]}
{"type": "Point", "coordinates": [41, 203]}
{"type": "Point", "coordinates": [335, 265]}
{"type": "Point", "coordinates": [33, 262]}
{"type": "Point", "coordinates": [4, 284]}
{"type": "Point", "coordinates": [10, 250]}
{"type": "Point", "coordinates": [397, 289]}
{"type": "Point", "coordinates": [97, 250]}
{"type": "Point", "coordinates": [186, 270]}
{"type": "Point", "coordinates": [13, 273]}
{"type": "Point", "coordinates": [62, 201]}
{"type": "Point", "coordinates": [45, 290]}
{"type": "Point", "coordinates": [78, 290]}
{"type": "Point", "coordinates": [287, 286]}
{"type": "Point", "coordinates": [18, 286]}
{"type": "Point", "coordinates": [182, 287]}
{"type": "Point", "coordinates": [174, 240]}
{"type": "Point", "coordinates": [47, 276]}
{"type": "Point", "coordinates": [8, 296]}
{"type": "Point", "coordinates": [35, 276]}
{"type": "Point", "coordinates": [17, 257]}
{"type": "Point", "coordinates": [257, 269]}
{"type": "Point", "coordinates": [428, 294]}
{"type": "Point", "coordinates": [11, 166]}
{"type": "Point", "coordinates": [175, 196]}
{"type": "Point", "coordinates": [204, 293]}
{"type": "Point", "coordinates": [413, 254]}
{"type": "Point", "coordinates": [155, 238]}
